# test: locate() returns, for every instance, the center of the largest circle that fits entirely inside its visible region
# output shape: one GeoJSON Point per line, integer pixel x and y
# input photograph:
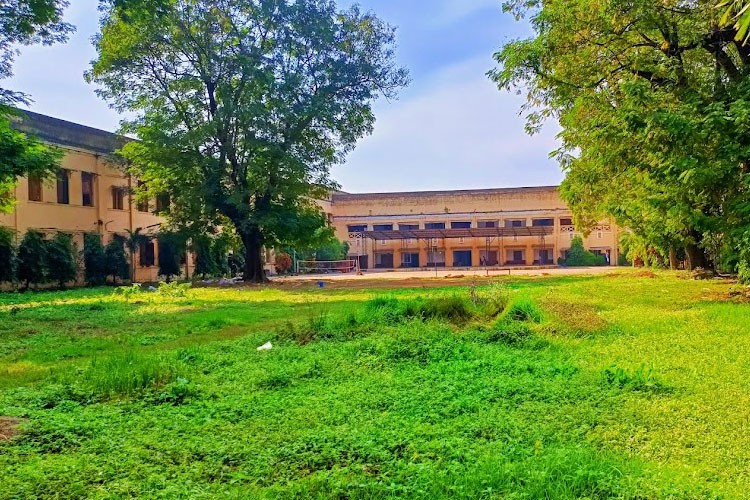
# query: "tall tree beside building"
{"type": "Point", "coordinates": [62, 267]}
{"type": "Point", "coordinates": [171, 251]}
{"type": "Point", "coordinates": [204, 263]}
{"type": "Point", "coordinates": [24, 22]}
{"type": "Point", "coordinates": [243, 106]}
{"type": "Point", "coordinates": [115, 261]}
{"type": "Point", "coordinates": [94, 260]}
{"type": "Point", "coordinates": [7, 256]}
{"type": "Point", "coordinates": [32, 259]}
{"type": "Point", "coordinates": [653, 101]}
{"type": "Point", "coordinates": [134, 240]}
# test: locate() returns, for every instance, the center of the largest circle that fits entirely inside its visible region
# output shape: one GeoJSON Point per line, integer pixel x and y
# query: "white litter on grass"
{"type": "Point", "coordinates": [265, 347]}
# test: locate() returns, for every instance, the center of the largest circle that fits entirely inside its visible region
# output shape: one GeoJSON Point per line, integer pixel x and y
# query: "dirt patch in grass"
{"type": "Point", "coordinates": [383, 284]}
{"type": "Point", "coordinates": [638, 274]}
{"type": "Point", "coordinates": [10, 427]}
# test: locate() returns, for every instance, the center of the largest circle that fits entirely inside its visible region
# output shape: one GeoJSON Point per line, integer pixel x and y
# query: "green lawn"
{"type": "Point", "coordinates": [626, 387]}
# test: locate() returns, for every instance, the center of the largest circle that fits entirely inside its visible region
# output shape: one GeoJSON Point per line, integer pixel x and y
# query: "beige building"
{"type": "Point", "coordinates": [462, 229]}
{"type": "Point", "coordinates": [91, 194]}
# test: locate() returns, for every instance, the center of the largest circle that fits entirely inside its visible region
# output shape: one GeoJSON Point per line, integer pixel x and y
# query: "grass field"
{"type": "Point", "coordinates": [620, 386]}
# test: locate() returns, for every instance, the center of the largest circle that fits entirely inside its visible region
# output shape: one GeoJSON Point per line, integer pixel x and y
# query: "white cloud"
{"type": "Point", "coordinates": [458, 132]}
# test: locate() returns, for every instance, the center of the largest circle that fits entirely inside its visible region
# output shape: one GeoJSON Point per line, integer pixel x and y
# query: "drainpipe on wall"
{"type": "Point", "coordinates": [15, 215]}
{"type": "Point", "coordinates": [98, 198]}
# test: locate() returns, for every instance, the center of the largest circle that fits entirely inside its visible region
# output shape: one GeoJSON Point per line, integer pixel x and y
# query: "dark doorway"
{"type": "Point", "coordinates": [384, 261]}
{"type": "Point", "coordinates": [462, 258]}
{"type": "Point", "coordinates": [545, 257]}
{"type": "Point", "coordinates": [409, 260]}
{"type": "Point", "coordinates": [488, 258]}
{"type": "Point", "coordinates": [363, 262]}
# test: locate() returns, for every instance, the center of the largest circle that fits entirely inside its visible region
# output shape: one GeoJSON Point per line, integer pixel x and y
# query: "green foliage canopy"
{"type": "Point", "coordinates": [94, 260]}
{"type": "Point", "coordinates": [32, 259]}
{"type": "Point", "coordinates": [7, 256]}
{"type": "Point", "coordinates": [171, 250]}
{"type": "Point", "coordinates": [654, 104]}
{"type": "Point", "coordinates": [24, 22]}
{"type": "Point", "coordinates": [578, 255]}
{"type": "Point", "coordinates": [242, 107]}
{"type": "Point", "coordinates": [115, 262]}
{"type": "Point", "coordinates": [61, 259]}
{"type": "Point", "coordinates": [28, 22]}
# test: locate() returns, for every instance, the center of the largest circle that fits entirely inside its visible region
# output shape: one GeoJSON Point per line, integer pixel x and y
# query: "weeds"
{"type": "Point", "coordinates": [523, 309]}
{"type": "Point", "coordinates": [129, 292]}
{"type": "Point", "coordinates": [641, 379]}
{"type": "Point", "coordinates": [124, 375]}
{"type": "Point", "coordinates": [509, 332]}
{"type": "Point", "coordinates": [173, 290]}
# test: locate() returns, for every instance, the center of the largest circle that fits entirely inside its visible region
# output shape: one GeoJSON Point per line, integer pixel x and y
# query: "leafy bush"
{"type": "Point", "coordinates": [578, 256]}
{"type": "Point", "coordinates": [523, 309]}
{"type": "Point", "coordinates": [743, 272]}
{"type": "Point", "coordinates": [128, 292]}
{"type": "Point", "coordinates": [32, 259]}
{"type": "Point", "coordinates": [7, 256]}
{"type": "Point", "coordinates": [94, 260]}
{"type": "Point", "coordinates": [171, 250]}
{"type": "Point", "coordinates": [220, 247]}
{"type": "Point", "coordinates": [115, 261]}
{"type": "Point", "coordinates": [61, 259]}
{"type": "Point", "coordinates": [204, 262]}
{"type": "Point", "coordinates": [173, 290]}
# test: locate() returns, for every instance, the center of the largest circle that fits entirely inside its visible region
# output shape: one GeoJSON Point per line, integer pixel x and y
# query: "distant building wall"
{"type": "Point", "coordinates": [513, 207]}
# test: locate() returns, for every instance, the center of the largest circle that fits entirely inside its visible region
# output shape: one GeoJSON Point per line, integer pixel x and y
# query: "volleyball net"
{"type": "Point", "coordinates": [327, 266]}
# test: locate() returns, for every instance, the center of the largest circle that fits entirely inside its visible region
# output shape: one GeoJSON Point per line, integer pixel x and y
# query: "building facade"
{"type": "Point", "coordinates": [91, 193]}
{"type": "Point", "coordinates": [463, 229]}
{"type": "Point", "coordinates": [459, 229]}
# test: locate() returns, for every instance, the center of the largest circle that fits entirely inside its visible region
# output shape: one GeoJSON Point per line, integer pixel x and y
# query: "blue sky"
{"type": "Point", "coordinates": [450, 129]}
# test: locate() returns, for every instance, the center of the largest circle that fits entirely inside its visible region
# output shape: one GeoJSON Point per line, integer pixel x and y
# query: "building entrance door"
{"type": "Point", "coordinates": [384, 261]}
{"type": "Point", "coordinates": [545, 257]}
{"type": "Point", "coordinates": [409, 260]}
{"type": "Point", "coordinates": [462, 258]}
{"type": "Point", "coordinates": [363, 262]}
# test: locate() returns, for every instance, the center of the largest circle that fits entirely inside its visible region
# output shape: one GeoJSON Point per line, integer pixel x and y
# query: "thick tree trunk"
{"type": "Point", "coordinates": [254, 271]}
{"type": "Point", "coordinates": [673, 263]}
{"type": "Point", "coordinates": [696, 258]}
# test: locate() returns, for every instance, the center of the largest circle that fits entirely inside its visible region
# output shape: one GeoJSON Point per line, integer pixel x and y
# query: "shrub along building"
{"type": "Point", "coordinates": [475, 228]}
{"type": "Point", "coordinates": [91, 193]}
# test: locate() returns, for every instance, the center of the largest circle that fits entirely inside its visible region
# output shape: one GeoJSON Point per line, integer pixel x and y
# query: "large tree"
{"type": "Point", "coordinates": [653, 101]}
{"type": "Point", "coordinates": [24, 22]}
{"type": "Point", "coordinates": [243, 106]}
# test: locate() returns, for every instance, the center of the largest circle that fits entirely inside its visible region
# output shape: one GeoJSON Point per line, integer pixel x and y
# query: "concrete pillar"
{"type": "Point", "coordinates": [529, 254]}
